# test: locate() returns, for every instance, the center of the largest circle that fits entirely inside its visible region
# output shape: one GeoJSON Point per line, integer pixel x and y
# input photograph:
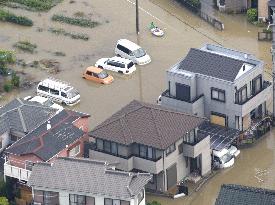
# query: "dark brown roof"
{"type": "Point", "coordinates": [146, 124]}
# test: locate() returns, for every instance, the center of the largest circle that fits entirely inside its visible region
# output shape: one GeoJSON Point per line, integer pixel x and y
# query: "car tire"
{"type": "Point", "coordinates": [120, 72]}
{"type": "Point", "coordinates": [100, 66]}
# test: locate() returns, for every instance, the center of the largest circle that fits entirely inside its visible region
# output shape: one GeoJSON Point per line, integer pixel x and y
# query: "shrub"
{"type": "Point", "coordinates": [8, 86]}
{"type": "Point", "coordinates": [39, 5]}
{"type": "Point", "coordinates": [6, 57]}
{"type": "Point", "coordinates": [252, 15]}
{"type": "Point", "coordinates": [25, 46]}
{"type": "Point", "coordinates": [4, 201]}
{"type": "Point", "coordinates": [15, 80]}
{"type": "Point", "coordinates": [12, 18]}
{"type": "Point", "coordinates": [60, 31]}
{"type": "Point", "coordinates": [83, 22]}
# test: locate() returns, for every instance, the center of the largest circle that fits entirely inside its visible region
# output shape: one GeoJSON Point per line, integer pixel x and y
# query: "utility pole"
{"type": "Point", "coordinates": [137, 18]}
{"type": "Point", "coordinates": [273, 59]}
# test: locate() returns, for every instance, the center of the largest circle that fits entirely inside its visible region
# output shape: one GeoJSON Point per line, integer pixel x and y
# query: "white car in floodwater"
{"type": "Point", "coordinates": [226, 157]}
{"type": "Point", "coordinates": [117, 64]}
{"type": "Point", "coordinates": [44, 101]}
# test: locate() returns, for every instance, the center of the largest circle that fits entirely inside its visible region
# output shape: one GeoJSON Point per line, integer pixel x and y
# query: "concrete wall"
{"type": "Point", "coordinates": [262, 9]}
{"type": "Point", "coordinates": [5, 138]}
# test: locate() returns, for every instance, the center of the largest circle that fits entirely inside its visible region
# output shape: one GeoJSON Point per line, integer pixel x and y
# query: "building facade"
{"type": "Point", "coordinates": [147, 138]}
{"type": "Point", "coordinates": [224, 85]}
{"type": "Point", "coordinates": [86, 182]}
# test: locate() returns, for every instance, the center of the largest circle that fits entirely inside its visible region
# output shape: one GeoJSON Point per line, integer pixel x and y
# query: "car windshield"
{"type": "Point", "coordinates": [226, 158]}
{"type": "Point", "coordinates": [103, 75]}
{"type": "Point", "coordinates": [48, 103]}
{"type": "Point", "coordinates": [72, 93]}
{"type": "Point", "coordinates": [139, 53]}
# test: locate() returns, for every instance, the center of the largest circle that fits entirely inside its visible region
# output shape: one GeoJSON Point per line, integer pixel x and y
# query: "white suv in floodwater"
{"type": "Point", "coordinates": [117, 64]}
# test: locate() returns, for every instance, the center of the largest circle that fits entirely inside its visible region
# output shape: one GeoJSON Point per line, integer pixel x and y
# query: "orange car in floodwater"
{"type": "Point", "coordinates": [97, 75]}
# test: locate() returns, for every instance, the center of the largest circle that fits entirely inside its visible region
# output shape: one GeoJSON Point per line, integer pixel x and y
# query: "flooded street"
{"type": "Point", "coordinates": [183, 30]}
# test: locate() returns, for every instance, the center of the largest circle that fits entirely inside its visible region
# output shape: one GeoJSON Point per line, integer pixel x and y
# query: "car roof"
{"type": "Point", "coordinates": [94, 69]}
{"type": "Point", "coordinates": [121, 60]}
{"type": "Point", "coordinates": [38, 99]}
{"type": "Point", "coordinates": [129, 44]}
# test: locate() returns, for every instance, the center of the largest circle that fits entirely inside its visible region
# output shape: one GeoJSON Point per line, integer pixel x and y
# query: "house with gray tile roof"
{"type": "Point", "coordinates": [149, 138]}
{"type": "Point", "coordinates": [19, 117]}
{"type": "Point", "coordinates": [62, 135]}
{"type": "Point", "coordinates": [72, 181]}
{"type": "Point", "coordinates": [223, 85]}
{"type": "Point", "coordinates": [232, 194]}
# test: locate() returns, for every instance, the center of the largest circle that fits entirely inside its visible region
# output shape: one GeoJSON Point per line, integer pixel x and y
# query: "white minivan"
{"type": "Point", "coordinates": [128, 49]}
{"type": "Point", "coordinates": [58, 91]}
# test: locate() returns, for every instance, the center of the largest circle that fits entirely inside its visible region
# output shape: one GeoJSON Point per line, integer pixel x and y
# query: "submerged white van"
{"type": "Point", "coordinates": [128, 49]}
{"type": "Point", "coordinates": [58, 91]}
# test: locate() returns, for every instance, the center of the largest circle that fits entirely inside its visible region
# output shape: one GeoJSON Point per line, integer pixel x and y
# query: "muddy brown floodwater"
{"type": "Point", "coordinates": [183, 30]}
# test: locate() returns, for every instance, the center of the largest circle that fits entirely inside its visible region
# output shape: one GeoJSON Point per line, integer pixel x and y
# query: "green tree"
{"type": "Point", "coordinates": [4, 201]}
{"type": "Point", "coordinates": [6, 57]}
{"type": "Point", "coordinates": [15, 80]}
{"type": "Point", "coordinates": [252, 15]}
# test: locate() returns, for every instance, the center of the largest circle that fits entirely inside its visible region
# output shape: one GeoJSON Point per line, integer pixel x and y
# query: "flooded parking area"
{"type": "Point", "coordinates": [183, 30]}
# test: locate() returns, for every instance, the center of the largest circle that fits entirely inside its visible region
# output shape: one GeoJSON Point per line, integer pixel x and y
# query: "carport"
{"type": "Point", "coordinates": [220, 137]}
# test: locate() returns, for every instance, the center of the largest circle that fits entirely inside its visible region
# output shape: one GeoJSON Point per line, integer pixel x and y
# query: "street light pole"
{"type": "Point", "coordinates": [137, 18]}
{"type": "Point", "coordinates": [273, 60]}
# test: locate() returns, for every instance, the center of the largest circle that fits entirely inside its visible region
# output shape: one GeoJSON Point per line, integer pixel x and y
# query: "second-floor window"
{"type": "Point", "coordinates": [146, 152]}
{"type": "Point", "coordinates": [111, 148]}
{"type": "Point", "coordinates": [81, 200]}
{"type": "Point", "coordinates": [241, 95]}
{"type": "Point", "coordinates": [46, 197]}
{"type": "Point", "coordinates": [183, 92]}
{"type": "Point", "coordinates": [256, 84]}
{"type": "Point", "coordinates": [115, 202]}
{"type": "Point", "coordinates": [218, 94]}
{"type": "Point", "coordinates": [170, 149]}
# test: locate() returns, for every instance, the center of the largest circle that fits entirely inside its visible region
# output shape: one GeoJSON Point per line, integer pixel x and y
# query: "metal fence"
{"type": "Point", "coordinates": [265, 36]}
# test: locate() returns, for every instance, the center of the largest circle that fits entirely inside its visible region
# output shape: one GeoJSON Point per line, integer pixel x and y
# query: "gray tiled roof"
{"type": "Point", "coordinates": [231, 194]}
{"type": "Point", "coordinates": [146, 124]}
{"type": "Point", "coordinates": [47, 143]}
{"type": "Point", "coordinates": [211, 64]}
{"type": "Point", "coordinates": [23, 116]}
{"type": "Point", "coordinates": [85, 176]}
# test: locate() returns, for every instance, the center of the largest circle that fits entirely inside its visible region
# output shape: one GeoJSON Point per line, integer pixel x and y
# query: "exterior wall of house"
{"type": "Point", "coordinates": [82, 123]}
{"type": "Point", "coordinates": [99, 199]}
{"type": "Point", "coordinates": [262, 9]}
{"type": "Point", "coordinates": [203, 86]}
{"type": "Point", "coordinates": [234, 6]}
{"type": "Point", "coordinates": [4, 140]}
{"type": "Point", "coordinates": [160, 167]}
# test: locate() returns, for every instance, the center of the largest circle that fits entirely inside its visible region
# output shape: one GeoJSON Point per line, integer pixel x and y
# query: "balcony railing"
{"type": "Point", "coordinates": [16, 172]}
{"type": "Point", "coordinates": [266, 84]}
{"type": "Point", "coordinates": [166, 93]}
